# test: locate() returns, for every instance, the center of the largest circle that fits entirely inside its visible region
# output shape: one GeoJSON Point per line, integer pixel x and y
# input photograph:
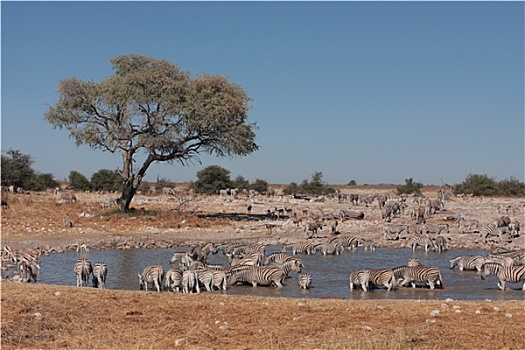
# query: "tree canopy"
{"type": "Point", "coordinates": [150, 107]}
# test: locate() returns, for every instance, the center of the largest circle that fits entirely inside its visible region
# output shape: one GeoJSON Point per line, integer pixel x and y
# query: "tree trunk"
{"type": "Point", "coordinates": [128, 191]}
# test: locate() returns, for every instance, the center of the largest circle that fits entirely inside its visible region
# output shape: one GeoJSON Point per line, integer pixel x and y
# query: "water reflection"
{"type": "Point", "coordinates": [329, 273]}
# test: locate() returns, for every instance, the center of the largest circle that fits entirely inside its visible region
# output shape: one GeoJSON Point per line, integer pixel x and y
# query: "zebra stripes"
{"type": "Point", "coordinates": [422, 274]}
{"type": "Point", "coordinates": [437, 228]}
{"type": "Point", "coordinates": [100, 271]}
{"type": "Point", "coordinates": [512, 274]}
{"type": "Point", "coordinates": [153, 274]}
{"type": "Point", "coordinates": [301, 247]}
{"type": "Point", "coordinates": [359, 278]}
{"type": "Point", "coordinates": [382, 277]}
{"type": "Point", "coordinates": [396, 230]}
{"type": "Point", "coordinates": [305, 280]}
{"type": "Point", "coordinates": [257, 275]}
{"type": "Point", "coordinates": [491, 231]}
{"type": "Point", "coordinates": [469, 263]}
{"type": "Point", "coordinates": [422, 241]}
{"type": "Point", "coordinates": [83, 269]}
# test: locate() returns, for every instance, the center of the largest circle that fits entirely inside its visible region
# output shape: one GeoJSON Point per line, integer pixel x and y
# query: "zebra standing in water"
{"type": "Point", "coordinates": [383, 277]}
{"type": "Point", "coordinates": [413, 274]}
{"type": "Point", "coordinates": [100, 271]}
{"type": "Point", "coordinates": [300, 247]}
{"type": "Point", "coordinates": [173, 279]}
{"type": "Point", "coordinates": [256, 275]}
{"type": "Point", "coordinates": [305, 280]}
{"type": "Point", "coordinates": [441, 243]}
{"type": "Point", "coordinates": [512, 274]}
{"type": "Point", "coordinates": [360, 277]}
{"type": "Point", "coordinates": [153, 274]}
{"type": "Point", "coordinates": [422, 241]}
{"type": "Point", "coordinates": [470, 262]}
{"type": "Point", "coordinates": [83, 269]}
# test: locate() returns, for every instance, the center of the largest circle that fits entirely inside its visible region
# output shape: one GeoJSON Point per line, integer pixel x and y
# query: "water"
{"type": "Point", "coordinates": [329, 274]}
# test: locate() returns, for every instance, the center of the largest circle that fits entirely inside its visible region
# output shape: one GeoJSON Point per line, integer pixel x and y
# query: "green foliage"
{"type": "Point", "coordinates": [260, 186]}
{"type": "Point", "coordinates": [17, 171]}
{"type": "Point", "coordinates": [212, 179]}
{"type": "Point", "coordinates": [410, 187]}
{"type": "Point", "coordinates": [241, 183]}
{"type": "Point", "coordinates": [78, 181]}
{"type": "Point", "coordinates": [106, 180]}
{"type": "Point", "coordinates": [151, 107]}
{"type": "Point", "coordinates": [352, 183]}
{"type": "Point", "coordinates": [483, 185]}
{"type": "Point", "coordinates": [291, 189]}
{"type": "Point", "coordinates": [314, 187]}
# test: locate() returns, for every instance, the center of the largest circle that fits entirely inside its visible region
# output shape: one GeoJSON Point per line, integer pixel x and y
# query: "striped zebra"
{"type": "Point", "coordinates": [202, 254]}
{"type": "Point", "coordinates": [359, 278]}
{"type": "Point", "coordinates": [502, 260]}
{"type": "Point", "coordinates": [153, 274]}
{"type": "Point", "coordinates": [437, 228]}
{"type": "Point", "coordinates": [396, 230]}
{"type": "Point", "coordinates": [328, 248]}
{"type": "Point", "coordinates": [346, 242]}
{"type": "Point", "coordinates": [252, 259]}
{"type": "Point", "coordinates": [182, 257]}
{"type": "Point", "coordinates": [173, 279]}
{"type": "Point", "coordinates": [100, 272]}
{"type": "Point", "coordinates": [422, 241]}
{"type": "Point", "coordinates": [83, 269]}
{"type": "Point", "coordinates": [256, 275]}
{"type": "Point", "coordinates": [205, 278]}
{"type": "Point", "coordinates": [305, 280]}
{"type": "Point", "coordinates": [382, 277]}
{"type": "Point", "coordinates": [243, 250]}
{"type": "Point", "coordinates": [441, 244]}
{"type": "Point", "coordinates": [367, 244]}
{"type": "Point", "coordinates": [300, 247]}
{"type": "Point", "coordinates": [468, 263]}
{"type": "Point", "coordinates": [422, 274]}
{"type": "Point", "coordinates": [280, 259]}
{"type": "Point", "coordinates": [491, 231]}
{"type": "Point", "coordinates": [190, 282]}
{"type": "Point", "coordinates": [414, 262]}
{"type": "Point", "coordinates": [512, 274]}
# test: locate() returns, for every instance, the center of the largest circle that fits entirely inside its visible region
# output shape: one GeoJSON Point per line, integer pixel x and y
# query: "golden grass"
{"type": "Point", "coordinates": [34, 316]}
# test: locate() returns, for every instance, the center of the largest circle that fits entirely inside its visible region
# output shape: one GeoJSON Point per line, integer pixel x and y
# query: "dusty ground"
{"type": "Point", "coordinates": [36, 316]}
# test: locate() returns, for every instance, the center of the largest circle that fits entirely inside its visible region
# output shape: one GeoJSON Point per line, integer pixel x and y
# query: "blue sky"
{"type": "Point", "coordinates": [375, 92]}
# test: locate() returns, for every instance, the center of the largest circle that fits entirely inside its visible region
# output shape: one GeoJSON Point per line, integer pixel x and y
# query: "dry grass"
{"type": "Point", "coordinates": [33, 316]}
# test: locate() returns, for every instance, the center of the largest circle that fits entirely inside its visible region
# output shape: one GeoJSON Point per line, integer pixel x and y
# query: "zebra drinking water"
{"type": "Point", "coordinates": [305, 280]}
{"type": "Point", "coordinates": [512, 274]}
{"type": "Point", "coordinates": [423, 274]}
{"type": "Point", "coordinates": [422, 241]}
{"type": "Point", "coordinates": [469, 263]}
{"type": "Point", "coordinates": [359, 278]}
{"type": "Point", "coordinates": [153, 274]}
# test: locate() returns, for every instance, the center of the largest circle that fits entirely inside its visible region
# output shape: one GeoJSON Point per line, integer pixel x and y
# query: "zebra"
{"type": "Point", "coordinates": [173, 279]}
{"type": "Point", "coordinates": [382, 277]}
{"type": "Point", "coordinates": [252, 259]}
{"type": "Point", "coordinates": [246, 249]}
{"type": "Point", "coordinates": [300, 247]}
{"type": "Point", "coordinates": [367, 244]}
{"type": "Point", "coordinates": [414, 262]}
{"type": "Point", "coordinates": [100, 271]}
{"type": "Point", "coordinates": [422, 241]}
{"type": "Point", "coordinates": [469, 263]}
{"type": "Point", "coordinates": [396, 230]}
{"type": "Point", "coordinates": [153, 274]}
{"type": "Point", "coordinates": [291, 265]}
{"type": "Point", "coordinates": [359, 277]}
{"type": "Point", "coordinates": [441, 244]}
{"type": "Point", "coordinates": [512, 274]}
{"type": "Point", "coordinates": [412, 274]}
{"type": "Point", "coordinates": [502, 260]}
{"type": "Point", "coordinates": [468, 223]}
{"type": "Point", "coordinates": [202, 254]}
{"type": "Point", "coordinates": [305, 280]}
{"type": "Point", "coordinates": [346, 242]}
{"type": "Point", "coordinates": [280, 259]}
{"type": "Point", "coordinates": [82, 269]}
{"type": "Point", "coordinates": [205, 278]}
{"type": "Point", "coordinates": [256, 275]}
{"type": "Point", "coordinates": [332, 248]}
{"type": "Point", "coordinates": [313, 227]}
{"type": "Point", "coordinates": [488, 231]}
{"type": "Point", "coordinates": [184, 258]}
{"type": "Point", "coordinates": [437, 229]}
{"type": "Point", "coordinates": [190, 282]}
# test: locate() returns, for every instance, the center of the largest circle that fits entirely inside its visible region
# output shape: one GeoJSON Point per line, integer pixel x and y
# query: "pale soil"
{"type": "Point", "coordinates": [38, 316]}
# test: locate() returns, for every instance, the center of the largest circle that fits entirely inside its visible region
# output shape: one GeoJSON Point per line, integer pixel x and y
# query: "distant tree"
{"type": "Point", "coordinates": [511, 187]}
{"type": "Point", "coordinates": [241, 183]}
{"type": "Point", "coordinates": [410, 187]}
{"type": "Point", "coordinates": [106, 180]}
{"type": "Point", "coordinates": [42, 182]}
{"type": "Point", "coordinates": [212, 179]}
{"type": "Point", "coordinates": [16, 169]}
{"type": "Point", "coordinates": [352, 183]}
{"type": "Point", "coordinates": [477, 185]}
{"type": "Point", "coordinates": [292, 188]}
{"type": "Point", "coordinates": [78, 181]}
{"type": "Point", "coordinates": [260, 186]}
{"type": "Point", "coordinates": [315, 186]}
{"type": "Point", "coordinates": [150, 107]}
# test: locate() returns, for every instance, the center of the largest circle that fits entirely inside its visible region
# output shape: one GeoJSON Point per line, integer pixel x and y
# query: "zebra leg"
{"type": "Point", "coordinates": [501, 285]}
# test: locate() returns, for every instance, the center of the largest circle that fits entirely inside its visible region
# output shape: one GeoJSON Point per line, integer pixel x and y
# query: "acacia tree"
{"type": "Point", "coordinates": [149, 108]}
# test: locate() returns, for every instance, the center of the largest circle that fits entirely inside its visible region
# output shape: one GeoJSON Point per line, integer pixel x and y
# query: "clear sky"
{"type": "Point", "coordinates": [375, 92]}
